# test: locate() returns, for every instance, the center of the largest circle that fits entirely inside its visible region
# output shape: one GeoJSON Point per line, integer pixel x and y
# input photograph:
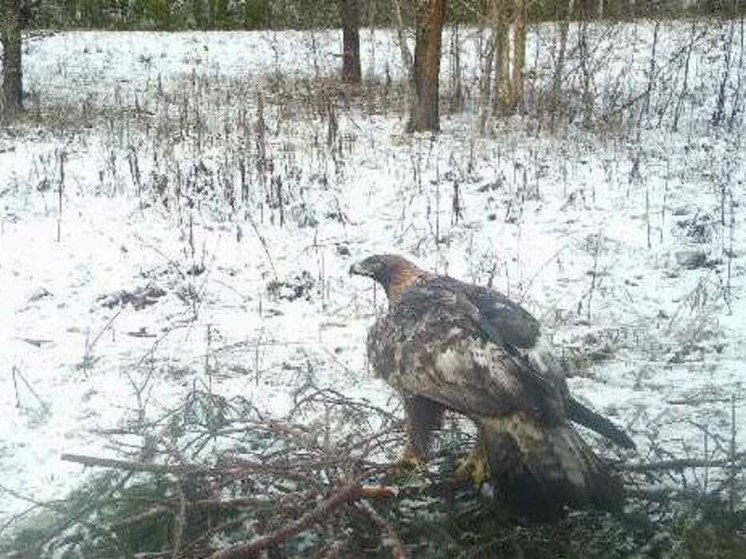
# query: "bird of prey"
{"type": "Point", "coordinates": [450, 345]}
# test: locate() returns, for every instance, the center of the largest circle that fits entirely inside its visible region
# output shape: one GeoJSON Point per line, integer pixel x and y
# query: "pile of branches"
{"type": "Point", "coordinates": [214, 478]}
{"type": "Point", "coordinates": [216, 472]}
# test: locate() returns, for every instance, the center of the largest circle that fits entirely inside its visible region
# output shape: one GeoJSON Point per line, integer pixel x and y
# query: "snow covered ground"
{"type": "Point", "coordinates": [203, 175]}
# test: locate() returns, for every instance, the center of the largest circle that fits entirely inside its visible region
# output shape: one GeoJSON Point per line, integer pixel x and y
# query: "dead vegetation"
{"type": "Point", "coordinates": [215, 478]}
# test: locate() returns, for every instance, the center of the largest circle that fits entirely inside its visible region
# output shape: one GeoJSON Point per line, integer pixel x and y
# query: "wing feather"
{"type": "Point", "coordinates": [436, 343]}
{"type": "Point", "coordinates": [516, 325]}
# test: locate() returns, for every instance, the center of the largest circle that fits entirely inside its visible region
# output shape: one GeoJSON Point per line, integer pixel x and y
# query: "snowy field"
{"type": "Point", "coordinates": [180, 210]}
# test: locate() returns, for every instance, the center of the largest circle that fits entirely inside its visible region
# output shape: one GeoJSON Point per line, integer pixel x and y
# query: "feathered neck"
{"type": "Point", "coordinates": [400, 274]}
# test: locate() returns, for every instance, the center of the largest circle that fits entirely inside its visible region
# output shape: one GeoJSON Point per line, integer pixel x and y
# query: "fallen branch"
{"type": "Point", "coordinates": [140, 517]}
{"type": "Point", "coordinates": [676, 464]}
{"type": "Point", "coordinates": [236, 469]}
{"type": "Point", "coordinates": [662, 494]}
{"type": "Point", "coordinates": [341, 497]}
{"type": "Point", "coordinates": [378, 492]}
{"type": "Point", "coordinates": [399, 552]}
{"type": "Point", "coordinates": [93, 461]}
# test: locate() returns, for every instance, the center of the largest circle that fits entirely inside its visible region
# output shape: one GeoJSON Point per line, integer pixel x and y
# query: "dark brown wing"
{"type": "Point", "coordinates": [520, 332]}
{"type": "Point", "coordinates": [516, 325]}
{"type": "Point", "coordinates": [434, 342]}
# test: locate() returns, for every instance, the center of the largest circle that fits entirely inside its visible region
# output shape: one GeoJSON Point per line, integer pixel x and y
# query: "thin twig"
{"type": "Point", "coordinates": [113, 463]}
{"type": "Point", "coordinates": [17, 373]}
{"type": "Point", "coordinates": [733, 458]}
{"type": "Point", "coordinates": [340, 498]}
{"type": "Point", "coordinates": [179, 518]}
{"type": "Point", "coordinates": [677, 464]}
{"type": "Point", "coordinates": [397, 547]}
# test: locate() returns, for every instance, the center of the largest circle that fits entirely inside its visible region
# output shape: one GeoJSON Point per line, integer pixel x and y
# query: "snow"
{"type": "Point", "coordinates": [592, 232]}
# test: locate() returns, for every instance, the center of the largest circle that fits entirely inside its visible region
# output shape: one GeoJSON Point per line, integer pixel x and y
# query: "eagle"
{"type": "Point", "coordinates": [444, 345]}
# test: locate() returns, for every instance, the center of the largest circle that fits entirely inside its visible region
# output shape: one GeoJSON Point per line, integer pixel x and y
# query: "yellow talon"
{"type": "Point", "coordinates": [475, 467]}
{"type": "Point", "coordinates": [409, 465]}
{"type": "Point", "coordinates": [411, 461]}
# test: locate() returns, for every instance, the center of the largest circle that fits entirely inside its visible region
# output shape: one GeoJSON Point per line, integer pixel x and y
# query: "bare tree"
{"type": "Point", "coordinates": [406, 55]}
{"type": "Point", "coordinates": [519, 55]}
{"type": "Point", "coordinates": [559, 66]}
{"type": "Point", "coordinates": [198, 13]}
{"type": "Point", "coordinates": [509, 73]}
{"type": "Point", "coordinates": [501, 21]}
{"type": "Point", "coordinates": [10, 26]}
{"type": "Point", "coordinates": [349, 13]}
{"type": "Point", "coordinates": [424, 108]}
{"type": "Point", "coordinates": [487, 55]}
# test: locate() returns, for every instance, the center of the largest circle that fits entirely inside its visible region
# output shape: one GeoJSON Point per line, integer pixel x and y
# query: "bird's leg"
{"type": "Point", "coordinates": [475, 468]}
{"type": "Point", "coordinates": [421, 417]}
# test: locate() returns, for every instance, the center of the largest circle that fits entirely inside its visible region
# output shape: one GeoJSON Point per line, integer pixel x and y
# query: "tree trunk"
{"type": "Point", "coordinates": [502, 59]}
{"type": "Point", "coordinates": [457, 96]}
{"type": "Point", "coordinates": [559, 67]}
{"type": "Point", "coordinates": [198, 12]}
{"type": "Point", "coordinates": [406, 55]}
{"type": "Point", "coordinates": [519, 57]}
{"type": "Point", "coordinates": [219, 14]}
{"type": "Point", "coordinates": [349, 13]}
{"type": "Point", "coordinates": [10, 26]}
{"type": "Point", "coordinates": [424, 111]}
{"type": "Point", "coordinates": [585, 72]}
{"type": "Point", "coordinates": [485, 77]}
{"type": "Point", "coordinates": [210, 14]}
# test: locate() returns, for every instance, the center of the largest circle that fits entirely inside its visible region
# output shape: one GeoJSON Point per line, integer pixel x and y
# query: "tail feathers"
{"type": "Point", "coordinates": [598, 423]}
{"type": "Point", "coordinates": [540, 470]}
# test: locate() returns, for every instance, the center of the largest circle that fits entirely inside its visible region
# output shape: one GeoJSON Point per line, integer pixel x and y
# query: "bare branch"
{"type": "Point", "coordinates": [93, 461]}
{"type": "Point", "coordinates": [340, 498]}
{"type": "Point", "coordinates": [398, 550]}
{"type": "Point", "coordinates": [676, 464]}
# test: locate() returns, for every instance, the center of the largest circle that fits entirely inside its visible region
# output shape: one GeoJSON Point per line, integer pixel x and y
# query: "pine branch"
{"type": "Point", "coordinates": [341, 497]}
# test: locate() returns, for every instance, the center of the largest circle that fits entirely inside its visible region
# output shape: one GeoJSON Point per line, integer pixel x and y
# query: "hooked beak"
{"type": "Point", "coordinates": [367, 267]}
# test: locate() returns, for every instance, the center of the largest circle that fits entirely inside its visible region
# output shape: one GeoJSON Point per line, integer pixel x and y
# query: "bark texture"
{"type": "Point", "coordinates": [10, 27]}
{"type": "Point", "coordinates": [424, 109]}
{"type": "Point", "coordinates": [349, 13]}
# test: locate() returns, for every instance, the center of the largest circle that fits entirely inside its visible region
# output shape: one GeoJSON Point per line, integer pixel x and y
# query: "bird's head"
{"type": "Point", "coordinates": [375, 267]}
{"type": "Point", "coordinates": [392, 271]}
